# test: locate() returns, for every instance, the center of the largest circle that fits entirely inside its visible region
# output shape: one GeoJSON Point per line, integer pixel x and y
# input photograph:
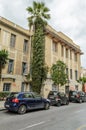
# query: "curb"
{"type": "Point", "coordinates": [2, 109]}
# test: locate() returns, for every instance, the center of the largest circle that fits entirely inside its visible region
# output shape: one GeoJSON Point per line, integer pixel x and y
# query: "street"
{"type": "Point", "coordinates": [71, 117]}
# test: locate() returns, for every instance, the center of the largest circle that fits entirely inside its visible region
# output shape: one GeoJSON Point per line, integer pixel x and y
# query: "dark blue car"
{"type": "Point", "coordinates": [23, 101]}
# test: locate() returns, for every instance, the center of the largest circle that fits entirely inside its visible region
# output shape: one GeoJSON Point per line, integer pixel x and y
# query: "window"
{"type": "Point", "coordinates": [12, 40]}
{"type": "Point", "coordinates": [36, 95]}
{"type": "Point", "coordinates": [22, 87]}
{"type": "Point", "coordinates": [62, 50]}
{"type": "Point", "coordinates": [61, 94]}
{"type": "Point", "coordinates": [67, 71]}
{"type": "Point", "coordinates": [75, 56]}
{"type": "Point", "coordinates": [25, 46]}
{"type": "Point", "coordinates": [24, 67]}
{"type": "Point", "coordinates": [13, 94]}
{"type": "Point", "coordinates": [70, 54]}
{"type": "Point", "coordinates": [6, 87]}
{"type": "Point", "coordinates": [70, 73]}
{"type": "Point", "coordinates": [66, 53]}
{"type": "Point", "coordinates": [76, 74]}
{"type": "Point", "coordinates": [10, 66]}
{"type": "Point", "coordinates": [54, 47]}
{"type": "Point", "coordinates": [27, 95]}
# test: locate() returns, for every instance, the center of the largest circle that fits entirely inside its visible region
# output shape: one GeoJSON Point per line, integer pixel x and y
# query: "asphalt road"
{"type": "Point", "coordinates": [71, 117]}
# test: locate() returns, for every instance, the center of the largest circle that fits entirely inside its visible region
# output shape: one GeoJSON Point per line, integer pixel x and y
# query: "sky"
{"type": "Point", "coordinates": [67, 16]}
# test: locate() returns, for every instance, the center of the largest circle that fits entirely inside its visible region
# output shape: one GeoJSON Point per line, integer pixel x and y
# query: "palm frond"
{"type": "Point", "coordinates": [39, 10]}
{"type": "Point", "coordinates": [30, 10]}
{"type": "Point", "coordinates": [45, 22]}
{"type": "Point", "coordinates": [42, 4]}
{"type": "Point", "coordinates": [46, 16]}
{"type": "Point", "coordinates": [30, 20]}
{"type": "Point", "coordinates": [35, 4]}
{"type": "Point", "coordinates": [45, 10]}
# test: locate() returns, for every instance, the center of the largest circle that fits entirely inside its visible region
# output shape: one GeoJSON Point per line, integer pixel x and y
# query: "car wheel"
{"type": "Point", "coordinates": [67, 102]}
{"type": "Point", "coordinates": [22, 109]}
{"type": "Point", "coordinates": [58, 104]}
{"type": "Point", "coordinates": [47, 106]}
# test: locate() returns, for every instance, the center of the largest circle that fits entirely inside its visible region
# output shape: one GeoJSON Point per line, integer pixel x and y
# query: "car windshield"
{"type": "Point", "coordinates": [13, 94]}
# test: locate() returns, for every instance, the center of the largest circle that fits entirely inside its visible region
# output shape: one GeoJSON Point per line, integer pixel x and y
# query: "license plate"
{"type": "Point", "coordinates": [7, 105]}
{"type": "Point", "coordinates": [51, 97]}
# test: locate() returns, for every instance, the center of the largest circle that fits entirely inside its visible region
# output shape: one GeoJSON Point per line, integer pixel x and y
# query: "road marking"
{"type": "Point", "coordinates": [30, 126]}
{"type": "Point", "coordinates": [79, 111]}
{"type": "Point", "coordinates": [81, 127]}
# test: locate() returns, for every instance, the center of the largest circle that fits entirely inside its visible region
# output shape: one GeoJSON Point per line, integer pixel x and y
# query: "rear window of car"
{"type": "Point", "coordinates": [73, 93]}
{"type": "Point", "coordinates": [62, 94]}
{"type": "Point", "coordinates": [53, 93]}
{"type": "Point", "coordinates": [81, 93]}
{"type": "Point", "coordinates": [13, 95]}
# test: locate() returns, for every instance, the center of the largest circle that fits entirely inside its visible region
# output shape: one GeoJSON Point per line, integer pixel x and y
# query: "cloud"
{"type": "Point", "coordinates": [15, 11]}
{"type": "Point", "coordinates": [70, 18]}
{"type": "Point", "coordinates": [67, 16]}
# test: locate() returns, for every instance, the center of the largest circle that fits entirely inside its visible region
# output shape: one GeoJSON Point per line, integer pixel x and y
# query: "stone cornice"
{"type": "Point", "coordinates": [54, 35]}
{"type": "Point", "coordinates": [14, 27]}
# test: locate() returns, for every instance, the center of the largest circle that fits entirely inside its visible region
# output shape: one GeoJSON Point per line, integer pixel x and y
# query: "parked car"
{"type": "Point", "coordinates": [23, 101]}
{"type": "Point", "coordinates": [77, 96]}
{"type": "Point", "coordinates": [58, 98]}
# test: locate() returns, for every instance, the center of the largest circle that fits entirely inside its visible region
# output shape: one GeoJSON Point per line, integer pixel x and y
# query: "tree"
{"type": "Point", "coordinates": [58, 73]}
{"type": "Point", "coordinates": [3, 60]}
{"type": "Point", "coordinates": [82, 80]}
{"type": "Point", "coordinates": [39, 12]}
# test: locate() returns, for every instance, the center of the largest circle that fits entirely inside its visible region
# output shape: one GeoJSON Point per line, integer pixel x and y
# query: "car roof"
{"type": "Point", "coordinates": [53, 91]}
{"type": "Point", "coordinates": [21, 92]}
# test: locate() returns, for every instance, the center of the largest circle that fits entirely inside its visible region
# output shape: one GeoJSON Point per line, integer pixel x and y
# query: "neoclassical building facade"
{"type": "Point", "coordinates": [58, 46]}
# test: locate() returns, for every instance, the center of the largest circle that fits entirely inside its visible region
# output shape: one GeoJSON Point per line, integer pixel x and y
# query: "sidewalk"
{"type": "Point", "coordinates": [2, 105]}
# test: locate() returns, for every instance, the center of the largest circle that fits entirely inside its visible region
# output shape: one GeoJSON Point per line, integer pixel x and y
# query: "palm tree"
{"type": "Point", "coordinates": [39, 10]}
{"type": "Point", "coordinates": [3, 60]}
{"type": "Point", "coordinates": [38, 16]}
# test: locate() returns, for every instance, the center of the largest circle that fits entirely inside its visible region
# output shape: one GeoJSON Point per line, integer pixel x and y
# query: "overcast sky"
{"type": "Point", "coordinates": [67, 16]}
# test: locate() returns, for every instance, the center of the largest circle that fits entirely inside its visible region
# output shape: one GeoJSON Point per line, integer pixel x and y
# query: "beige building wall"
{"type": "Point", "coordinates": [58, 46]}
{"type": "Point", "coordinates": [16, 53]}
{"type": "Point", "coordinates": [70, 49]}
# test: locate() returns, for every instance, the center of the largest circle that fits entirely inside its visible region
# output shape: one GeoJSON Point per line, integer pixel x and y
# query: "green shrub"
{"type": "Point", "coordinates": [3, 95]}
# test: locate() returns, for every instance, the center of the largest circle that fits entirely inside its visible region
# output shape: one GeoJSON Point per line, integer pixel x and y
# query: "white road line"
{"type": "Point", "coordinates": [30, 126]}
{"type": "Point", "coordinates": [79, 111]}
